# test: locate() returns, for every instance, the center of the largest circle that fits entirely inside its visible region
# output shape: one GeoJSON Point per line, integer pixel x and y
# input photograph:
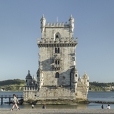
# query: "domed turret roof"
{"type": "Point", "coordinates": [28, 75]}
{"type": "Point", "coordinates": [71, 18]}
{"type": "Point", "coordinates": [43, 18]}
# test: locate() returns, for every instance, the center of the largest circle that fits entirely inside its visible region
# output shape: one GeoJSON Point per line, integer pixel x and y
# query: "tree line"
{"type": "Point", "coordinates": [17, 85]}
{"type": "Point", "coordinates": [12, 85]}
{"type": "Point", "coordinates": [97, 86]}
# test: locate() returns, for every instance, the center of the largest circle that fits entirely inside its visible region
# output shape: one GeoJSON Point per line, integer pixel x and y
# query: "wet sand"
{"type": "Point", "coordinates": [57, 111]}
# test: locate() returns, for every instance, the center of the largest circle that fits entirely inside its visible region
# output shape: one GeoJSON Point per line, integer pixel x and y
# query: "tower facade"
{"type": "Point", "coordinates": [57, 76]}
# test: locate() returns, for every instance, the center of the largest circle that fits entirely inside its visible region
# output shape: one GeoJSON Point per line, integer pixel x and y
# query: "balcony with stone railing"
{"type": "Point", "coordinates": [45, 42]}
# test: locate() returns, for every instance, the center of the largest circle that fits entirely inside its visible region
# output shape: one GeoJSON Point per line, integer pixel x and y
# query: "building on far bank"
{"type": "Point", "coordinates": [57, 76]}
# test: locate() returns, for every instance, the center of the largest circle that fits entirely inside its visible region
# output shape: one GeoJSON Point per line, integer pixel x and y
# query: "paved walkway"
{"type": "Point", "coordinates": [57, 111]}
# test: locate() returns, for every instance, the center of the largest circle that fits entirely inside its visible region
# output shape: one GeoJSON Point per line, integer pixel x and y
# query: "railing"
{"type": "Point", "coordinates": [10, 96]}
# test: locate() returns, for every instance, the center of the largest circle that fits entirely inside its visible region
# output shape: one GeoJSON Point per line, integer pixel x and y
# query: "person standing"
{"type": "Point", "coordinates": [108, 107]}
{"type": "Point", "coordinates": [44, 106]}
{"type": "Point", "coordinates": [102, 106]}
{"type": "Point", "coordinates": [15, 103]}
{"type": "Point", "coordinates": [32, 105]}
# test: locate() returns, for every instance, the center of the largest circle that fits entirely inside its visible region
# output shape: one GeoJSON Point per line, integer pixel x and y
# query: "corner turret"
{"type": "Point", "coordinates": [28, 79]}
{"type": "Point", "coordinates": [71, 23]}
{"type": "Point", "coordinates": [43, 23]}
{"type": "Point", "coordinates": [74, 78]}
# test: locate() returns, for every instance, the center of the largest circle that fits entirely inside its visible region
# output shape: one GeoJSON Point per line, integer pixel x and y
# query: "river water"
{"type": "Point", "coordinates": [92, 96]}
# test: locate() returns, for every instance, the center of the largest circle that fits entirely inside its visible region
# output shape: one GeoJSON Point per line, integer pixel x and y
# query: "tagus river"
{"type": "Point", "coordinates": [92, 96]}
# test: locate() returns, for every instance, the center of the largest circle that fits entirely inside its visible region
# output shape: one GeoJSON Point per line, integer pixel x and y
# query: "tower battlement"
{"type": "Point", "coordinates": [69, 25]}
{"type": "Point", "coordinates": [56, 24]}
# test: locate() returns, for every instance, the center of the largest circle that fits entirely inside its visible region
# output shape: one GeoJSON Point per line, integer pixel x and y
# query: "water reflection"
{"type": "Point", "coordinates": [79, 106]}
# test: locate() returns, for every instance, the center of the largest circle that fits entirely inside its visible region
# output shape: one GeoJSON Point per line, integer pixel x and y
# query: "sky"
{"type": "Point", "coordinates": [20, 29]}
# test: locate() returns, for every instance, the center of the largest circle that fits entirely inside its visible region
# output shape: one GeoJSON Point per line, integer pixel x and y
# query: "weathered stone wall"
{"type": "Point", "coordinates": [67, 62]}
{"type": "Point", "coordinates": [56, 93]}
{"type": "Point", "coordinates": [29, 93]}
{"type": "Point", "coordinates": [81, 91]}
{"type": "Point", "coordinates": [50, 32]}
{"type": "Point", "coordinates": [49, 93]}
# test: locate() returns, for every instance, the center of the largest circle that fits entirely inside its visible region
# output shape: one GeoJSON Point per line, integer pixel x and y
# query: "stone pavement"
{"type": "Point", "coordinates": [57, 111]}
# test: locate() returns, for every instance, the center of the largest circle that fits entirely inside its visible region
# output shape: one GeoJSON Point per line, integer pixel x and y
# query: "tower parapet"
{"type": "Point", "coordinates": [62, 42]}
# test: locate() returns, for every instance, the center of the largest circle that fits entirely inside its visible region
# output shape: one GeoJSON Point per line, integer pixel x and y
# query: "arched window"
{"type": "Point", "coordinates": [57, 36]}
{"type": "Point", "coordinates": [57, 75]}
{"type": "Point", "coordinates": [57, 62]}
{"type": "Point", "coordinates": [57, 50]}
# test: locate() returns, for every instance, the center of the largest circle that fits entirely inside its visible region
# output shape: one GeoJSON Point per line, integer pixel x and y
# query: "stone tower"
{"type": "Point", "coordinates": [57, 76]}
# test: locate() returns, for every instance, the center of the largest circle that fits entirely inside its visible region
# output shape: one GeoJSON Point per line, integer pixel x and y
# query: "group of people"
{"type": "Point", "coordinates": [15, 103]}
{"type": "Point", "coordinates": [108, 107]}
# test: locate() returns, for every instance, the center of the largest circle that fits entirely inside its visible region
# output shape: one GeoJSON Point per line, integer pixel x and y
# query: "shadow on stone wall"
{"type": "Point", "coordinates": [64, 77]}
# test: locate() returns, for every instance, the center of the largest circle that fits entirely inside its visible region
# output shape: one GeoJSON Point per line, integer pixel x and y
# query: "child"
{"type": "Point", "coordinates": [102, 106]}
{"type": "Point", "coordinates": [44, 106]}
{"type": "Point", "coordinates": [32, 105]}
{"type": "Point", "coordinates": [108, 107]}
